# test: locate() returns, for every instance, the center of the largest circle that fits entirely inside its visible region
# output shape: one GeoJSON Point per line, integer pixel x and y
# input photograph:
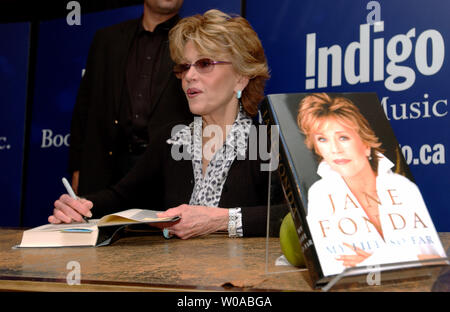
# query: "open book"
{"type": "Point", "coordinates": [98, 232]}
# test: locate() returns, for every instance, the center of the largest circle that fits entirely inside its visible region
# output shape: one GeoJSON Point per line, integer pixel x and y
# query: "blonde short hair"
{"type": "Point", "coordinates": [217, 34]}
{"type": "Point", "coordinates": [316, 107]}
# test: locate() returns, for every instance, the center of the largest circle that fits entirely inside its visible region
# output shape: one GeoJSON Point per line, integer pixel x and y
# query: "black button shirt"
{"type": "Point", "coordinates": [144, 59]}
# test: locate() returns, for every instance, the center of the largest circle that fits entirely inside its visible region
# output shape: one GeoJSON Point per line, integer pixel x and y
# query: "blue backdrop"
{"type": "Point", "coordinates": [13, 82]}
{"type": "Point", "coordinates": [399, 51]}
{"type": "Point", "coordinates": [396, 48]}
{"type": "Point", "coordinates": [61, 56]}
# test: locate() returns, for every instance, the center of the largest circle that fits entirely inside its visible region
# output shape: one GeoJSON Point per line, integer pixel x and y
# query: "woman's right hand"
{"type": "Point", "coordinates": [68, 210]}
{"type": "Point", "coordinates": [353, 260]}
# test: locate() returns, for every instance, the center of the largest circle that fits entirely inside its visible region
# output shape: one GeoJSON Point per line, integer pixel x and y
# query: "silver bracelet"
{"type": "Point", "coordinates": [234, 222]}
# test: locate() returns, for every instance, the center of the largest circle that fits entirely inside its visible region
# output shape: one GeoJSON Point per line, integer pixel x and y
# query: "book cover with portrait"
{"type": "Point", "coordinates": [352, 196]}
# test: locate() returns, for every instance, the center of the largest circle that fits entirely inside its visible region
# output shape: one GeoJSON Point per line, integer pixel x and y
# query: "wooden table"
{"type": "Point", "coordinates": [152, 263]}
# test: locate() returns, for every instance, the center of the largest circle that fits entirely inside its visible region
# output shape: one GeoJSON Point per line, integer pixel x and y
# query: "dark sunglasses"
{"type": "Point", "coordinates": [202, 66]}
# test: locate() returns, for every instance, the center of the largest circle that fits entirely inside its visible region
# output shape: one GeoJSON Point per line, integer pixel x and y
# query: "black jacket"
{"type": "Point", "coordinates": [96, 116]}
{"type": "Point", "coordinates": [246, 186]}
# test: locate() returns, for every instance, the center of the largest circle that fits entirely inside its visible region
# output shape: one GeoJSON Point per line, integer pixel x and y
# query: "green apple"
{"type": "Point", "coordinates": [290, 244]}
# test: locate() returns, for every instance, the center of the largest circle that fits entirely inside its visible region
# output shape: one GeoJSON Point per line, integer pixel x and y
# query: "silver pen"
{"type": "Point", "coordinates": [72, 194]}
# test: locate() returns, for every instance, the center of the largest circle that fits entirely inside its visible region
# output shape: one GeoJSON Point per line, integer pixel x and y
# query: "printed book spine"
{"type": "Point", "coordinates": [293, 197]}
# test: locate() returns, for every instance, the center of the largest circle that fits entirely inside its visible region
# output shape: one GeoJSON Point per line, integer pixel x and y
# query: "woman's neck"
{"type": "Point", "coordinates": [214, 138]}
{"type": "Point", "coordinates": [224, 120]}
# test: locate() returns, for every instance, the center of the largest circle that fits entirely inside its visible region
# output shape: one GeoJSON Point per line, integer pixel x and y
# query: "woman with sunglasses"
{"type": "Point", "coordinates": [205, 172]}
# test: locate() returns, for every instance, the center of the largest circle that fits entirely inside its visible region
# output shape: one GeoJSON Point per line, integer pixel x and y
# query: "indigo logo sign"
{"type": "Point", "coordinates": [427, 49]}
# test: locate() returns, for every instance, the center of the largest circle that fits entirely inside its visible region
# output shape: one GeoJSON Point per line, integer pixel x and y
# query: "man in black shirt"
{"type": "Point", "coordinates": [127, 92]}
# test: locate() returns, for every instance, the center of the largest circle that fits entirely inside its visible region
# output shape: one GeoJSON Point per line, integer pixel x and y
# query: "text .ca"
{"type": "Point", "coordinates": [424, 155]}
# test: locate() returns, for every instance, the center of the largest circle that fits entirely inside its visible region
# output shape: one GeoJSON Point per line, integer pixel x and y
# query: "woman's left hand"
{"type": "Point", "coordinates": [196, 220]}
